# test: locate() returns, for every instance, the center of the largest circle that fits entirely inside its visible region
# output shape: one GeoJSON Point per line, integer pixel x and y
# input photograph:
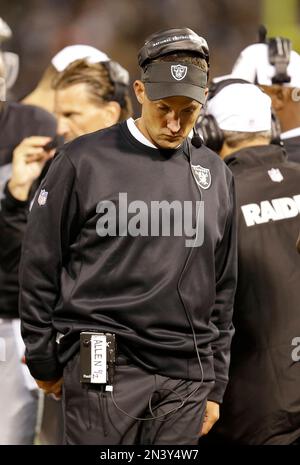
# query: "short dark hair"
{"type": "Point", "coordinates": [191, 58]}
{"type": "Point", "coordinates": [235, 138]}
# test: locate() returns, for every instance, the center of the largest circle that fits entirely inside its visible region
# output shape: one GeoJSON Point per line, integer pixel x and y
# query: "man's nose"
{"type": "Point", "coordinates": [62, 127]}
{"type": "Point", "coordinates": [173, 123]}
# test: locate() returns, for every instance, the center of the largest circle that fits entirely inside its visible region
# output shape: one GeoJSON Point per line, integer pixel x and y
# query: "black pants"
{"type": "Point", "coordinates": [52, 423]}
{"type": "Point", "coordinates": [93, 416]}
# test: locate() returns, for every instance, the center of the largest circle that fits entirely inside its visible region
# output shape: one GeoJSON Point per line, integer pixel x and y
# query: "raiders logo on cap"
{"type": "Point", "coordinates": [178, 72]}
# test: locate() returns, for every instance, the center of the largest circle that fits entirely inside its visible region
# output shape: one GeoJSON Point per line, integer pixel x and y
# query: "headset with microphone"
{"type": "Point", "coordinates": [279, 53]}
{"type": "Point", "coordinates": [120, 79]}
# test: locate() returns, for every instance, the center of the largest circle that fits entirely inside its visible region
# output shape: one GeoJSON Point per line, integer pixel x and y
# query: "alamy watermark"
{"type": "Point", "coordinates": [296, 350]}
{"type": "Point", "coordinates": [2, 350]}
{"type": "Point", "coordinates": [2, 90]}
{"type": "Point", "coordinates": [156, 218]}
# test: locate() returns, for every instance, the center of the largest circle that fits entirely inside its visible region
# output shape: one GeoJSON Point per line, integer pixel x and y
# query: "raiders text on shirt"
{"type": "Point", "coordinates": [274, 210]}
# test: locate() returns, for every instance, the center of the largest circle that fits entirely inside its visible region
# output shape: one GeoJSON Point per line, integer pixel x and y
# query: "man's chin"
{"type": "Point", "coordinates": [170, 144]}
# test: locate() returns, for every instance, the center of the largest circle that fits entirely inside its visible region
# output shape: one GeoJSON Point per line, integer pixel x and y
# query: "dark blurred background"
{"type": "Point", "coordinates": [118, 27]}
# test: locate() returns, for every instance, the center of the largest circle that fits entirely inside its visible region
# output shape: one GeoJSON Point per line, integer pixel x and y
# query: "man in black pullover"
{"type": "Point", "coordinates": [106, 263]}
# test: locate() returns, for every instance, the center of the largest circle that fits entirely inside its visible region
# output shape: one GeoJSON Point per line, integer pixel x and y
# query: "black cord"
{"type": "Point", "coordinates": [181, 399]}
{"type": "Point", "coordinates": [185, 267]}
{"type": "Point", "coordinates": [173, 410]}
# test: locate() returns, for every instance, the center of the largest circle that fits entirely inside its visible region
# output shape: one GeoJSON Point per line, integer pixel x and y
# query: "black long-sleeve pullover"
{"type": "Point", "coordinates": [143, 288]}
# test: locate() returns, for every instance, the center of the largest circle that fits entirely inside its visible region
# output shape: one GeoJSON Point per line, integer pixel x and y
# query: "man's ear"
{"type": "Point", "coordinates": [205, 94]}
{"type": "Point", "coordinates": [277, 95]}
{"type": "Point", "coordinates": [139, 89]}
{"type": "Point", "coordinates": [278, 98]}
{"type": "Point", "coordinates": [113, 112]}
{"type": "Point", "coordinates": [225, 150]}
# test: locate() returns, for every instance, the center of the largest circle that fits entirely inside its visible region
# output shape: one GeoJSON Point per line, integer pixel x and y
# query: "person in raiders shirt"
{"type": "Point", "coordinates": [262, 400]}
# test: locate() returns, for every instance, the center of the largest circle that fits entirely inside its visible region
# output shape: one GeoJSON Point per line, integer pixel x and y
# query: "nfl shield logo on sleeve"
{"type": "Point", "coordinates": [202, 176]}
{"type": "Point", "coordinates": [42, 199]}
{"type": "Point", "coordinates": [275, 174]}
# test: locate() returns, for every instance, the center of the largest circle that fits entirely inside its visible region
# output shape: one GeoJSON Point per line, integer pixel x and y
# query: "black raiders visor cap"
{"type": "Point", "coordinates": [167, 79]}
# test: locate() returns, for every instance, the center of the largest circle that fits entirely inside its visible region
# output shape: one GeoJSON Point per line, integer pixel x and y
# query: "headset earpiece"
{"type": "Point", "coordinates": [212, 135]}
{"type": "Point", "coordinates": [119, 76]}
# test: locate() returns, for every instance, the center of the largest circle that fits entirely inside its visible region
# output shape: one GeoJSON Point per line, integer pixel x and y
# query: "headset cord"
{"type": "Point", "coordinates": [181, 399]}
{"type": "Point", "coordinates": [185, 268]}
{"type": "Point", "coordinates": [173, 410]}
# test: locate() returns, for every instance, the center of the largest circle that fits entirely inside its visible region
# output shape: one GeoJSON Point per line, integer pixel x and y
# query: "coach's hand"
{"type": "Point", "coordinates": [29, 158]}
{"type": "Point", "coordinates": [212, 415]}
{"type": "Point", "coordinates": [51, 387]}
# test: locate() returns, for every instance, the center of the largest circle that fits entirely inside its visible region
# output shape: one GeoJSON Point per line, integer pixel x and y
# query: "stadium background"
{"type": "Point", "coordinates": [42, 27]}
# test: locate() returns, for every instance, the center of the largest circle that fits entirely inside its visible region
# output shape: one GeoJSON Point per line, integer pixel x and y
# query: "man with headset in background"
{"type": "Point", "coordinates": [91, 96]}
{"type": "Point", "coordinates": [43, 95]}
{"type": "Point", "coordinates": [262, 400]}
{"type": "Point", "coordinates": [275, 68]}
{"type": "Point", "coordinates": [154, 307]}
